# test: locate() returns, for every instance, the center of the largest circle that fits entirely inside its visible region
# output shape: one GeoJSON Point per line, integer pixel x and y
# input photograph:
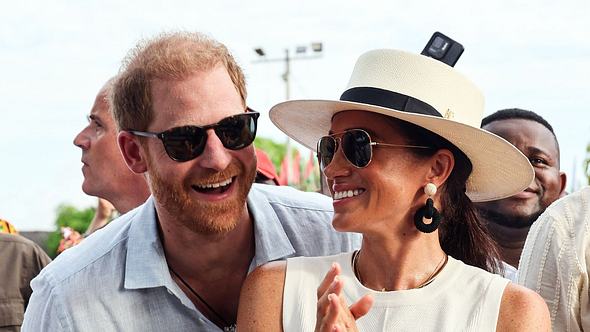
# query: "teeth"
{"type": "Point", "coordinates": [347, 193]}
{"type": "Point", "coordinates": [215, 185]}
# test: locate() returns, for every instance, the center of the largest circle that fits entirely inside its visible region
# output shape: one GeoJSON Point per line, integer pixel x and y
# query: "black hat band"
{"type": "Point", "coordinates": [388, 99]}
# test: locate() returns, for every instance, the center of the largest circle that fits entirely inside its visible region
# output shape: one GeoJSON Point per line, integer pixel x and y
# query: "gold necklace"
{"type": "Point", "coordinates": [428, 280]}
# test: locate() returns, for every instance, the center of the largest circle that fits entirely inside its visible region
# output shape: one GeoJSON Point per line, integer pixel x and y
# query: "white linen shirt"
{"type": "Point", "coordinates": [118, 279]}
{"type": "Point", "coordinates": [555, 261]}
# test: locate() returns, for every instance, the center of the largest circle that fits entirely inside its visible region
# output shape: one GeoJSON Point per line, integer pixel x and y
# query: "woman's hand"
{"type": "Point", "coordinates": [333, 314]}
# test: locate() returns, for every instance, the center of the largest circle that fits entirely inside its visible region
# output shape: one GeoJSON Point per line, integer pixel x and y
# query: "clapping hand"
{"type": "Point", "coordinates": [333, 314]}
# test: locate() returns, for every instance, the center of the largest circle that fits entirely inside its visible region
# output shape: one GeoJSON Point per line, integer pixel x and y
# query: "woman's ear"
{"type": "Point", "coordinates": [441, 166]}
{"type": "Point", "coordinates": [132, 152]}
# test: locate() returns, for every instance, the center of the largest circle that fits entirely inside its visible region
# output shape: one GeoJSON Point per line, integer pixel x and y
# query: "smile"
{"type": "Point", "coordinates": [217, 187]}
{"type": "Point", "coordinates": [524, 195]}
{"type": "Point", "coordinates": [347, 193]}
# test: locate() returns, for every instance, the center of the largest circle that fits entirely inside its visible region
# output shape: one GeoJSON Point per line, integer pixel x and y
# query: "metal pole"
{"type": "Point", "coordinates": [287, 74]}
{"type": "Point", "coordinates": [286, 79]}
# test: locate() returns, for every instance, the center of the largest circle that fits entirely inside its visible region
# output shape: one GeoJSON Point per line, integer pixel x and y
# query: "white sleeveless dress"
{"type": "Point", "coordinates": [460, 298]}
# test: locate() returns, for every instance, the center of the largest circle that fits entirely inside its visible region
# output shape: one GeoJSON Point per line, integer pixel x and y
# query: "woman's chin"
{"type": "Point", "coordinates": [343, 223]}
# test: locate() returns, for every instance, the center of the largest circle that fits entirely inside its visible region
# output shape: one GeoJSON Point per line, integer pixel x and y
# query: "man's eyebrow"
{"type": "Point", "coordinates": [94, 117]}
{"type": "Point", "coordinates": [536, 150]}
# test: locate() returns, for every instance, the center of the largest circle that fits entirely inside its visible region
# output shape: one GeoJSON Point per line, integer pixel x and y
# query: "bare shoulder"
{"type": "Point", "coordinates": [268, 276]}
{"type": "Point", "coordinates": [522, 310]}
{"type": "Point", "coordinates": [261, 299]}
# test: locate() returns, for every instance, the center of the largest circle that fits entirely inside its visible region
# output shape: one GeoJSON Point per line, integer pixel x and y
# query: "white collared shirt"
{"type": "Point", "coordinates": [118, 279]}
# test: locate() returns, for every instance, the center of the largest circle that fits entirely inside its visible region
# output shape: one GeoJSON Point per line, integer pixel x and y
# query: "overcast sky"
{"type": "Point", "coordinates": [55, 55]}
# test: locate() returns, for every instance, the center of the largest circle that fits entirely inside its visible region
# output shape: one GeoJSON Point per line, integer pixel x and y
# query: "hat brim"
{"type": "Point", "coordinates": [499, 169]}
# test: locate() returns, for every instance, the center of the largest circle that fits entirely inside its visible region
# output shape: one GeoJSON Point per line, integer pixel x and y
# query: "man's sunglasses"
{"type": "Point", "coordinates": [188, 142]}
{"type": "Point", "coordinates": [356, 145]}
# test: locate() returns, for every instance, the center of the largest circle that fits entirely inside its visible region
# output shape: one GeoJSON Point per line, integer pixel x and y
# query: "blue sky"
{"type": "Point", "coordinates": [55, 55]}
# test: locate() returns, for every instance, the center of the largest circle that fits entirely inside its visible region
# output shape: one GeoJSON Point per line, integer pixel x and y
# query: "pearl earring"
{"type": "Point", "coordinates": [428, 211]}
{"type": "Point", "coordinates": [430, 189]}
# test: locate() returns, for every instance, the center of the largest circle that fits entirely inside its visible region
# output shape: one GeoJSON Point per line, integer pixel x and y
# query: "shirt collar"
{"type": "Point", "coordinates": [272, 242]}
{"type": "Point", "coordinates": [145, 263]}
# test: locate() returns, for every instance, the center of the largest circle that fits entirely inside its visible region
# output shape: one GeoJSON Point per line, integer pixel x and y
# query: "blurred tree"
{"type": "Point", "coordinates": [310, 175]}
{"type": "Point", "coordinates": [275, 151]}
{"type": "Point", "coordinates": [68, 216]}
{"type": "Point", "coordinates": [309, 171]}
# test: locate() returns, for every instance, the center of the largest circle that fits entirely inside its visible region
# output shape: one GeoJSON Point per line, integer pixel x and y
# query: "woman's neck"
{"type": "Point", "coordinates": [403, 262]}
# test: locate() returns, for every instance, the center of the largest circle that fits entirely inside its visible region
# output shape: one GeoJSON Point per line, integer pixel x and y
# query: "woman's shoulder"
{"type": "Point", "coordinates": [261, 298]}
{"type": "Point", "coordinates": [522, 310]}
{"type": "Point", "coordinates": [271, 272]}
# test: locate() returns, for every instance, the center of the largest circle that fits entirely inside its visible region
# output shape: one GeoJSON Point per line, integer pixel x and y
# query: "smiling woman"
{"type": "Point", "coordinates": [404, 158]}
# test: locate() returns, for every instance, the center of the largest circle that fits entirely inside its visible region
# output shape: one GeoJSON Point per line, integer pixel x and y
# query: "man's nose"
{"type": "Point", "coordinates": [215, 156]}
{"type": "Point", "coordinates": [82, 140]}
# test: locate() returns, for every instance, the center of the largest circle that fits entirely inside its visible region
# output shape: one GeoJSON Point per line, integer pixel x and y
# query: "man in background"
{"type": "Point", "coordinates": [509, 219]}
{"type": "Point", "coordinates": [20, 261]}
{"type": "Point", "coordinates": [265, 170]}
{"type": "Point", "coordinates": [105, 173]}
{"type": "Point", "coordinates": [106, 176]}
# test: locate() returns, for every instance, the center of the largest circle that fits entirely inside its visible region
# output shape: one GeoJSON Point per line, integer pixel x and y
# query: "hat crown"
{"type": "Point", "coordinates": [428, 80]}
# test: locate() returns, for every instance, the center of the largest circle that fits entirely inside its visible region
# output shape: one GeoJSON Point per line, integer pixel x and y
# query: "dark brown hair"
{"type": "Point", "coordinates": [462, 234]}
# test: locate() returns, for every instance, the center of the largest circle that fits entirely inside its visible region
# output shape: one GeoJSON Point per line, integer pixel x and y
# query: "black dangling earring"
{"type": "Point", "coordinates": [428, 211]}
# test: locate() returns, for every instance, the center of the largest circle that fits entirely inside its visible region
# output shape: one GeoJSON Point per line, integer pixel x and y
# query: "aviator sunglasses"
{"type": "Point", "coordinates": [188, 142]}
{"type": "Point", "coordinates": [356, 145]}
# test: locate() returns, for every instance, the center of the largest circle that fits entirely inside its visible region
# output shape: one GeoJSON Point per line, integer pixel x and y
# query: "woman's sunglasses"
{"type": "Point", "coordinates": [356, 145]}
{"type": "Point", "coordinates": [188, 142]}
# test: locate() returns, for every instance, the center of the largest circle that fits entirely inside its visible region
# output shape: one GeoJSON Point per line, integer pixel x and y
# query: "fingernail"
{"type": "Point", "coordinates": [334, 282]}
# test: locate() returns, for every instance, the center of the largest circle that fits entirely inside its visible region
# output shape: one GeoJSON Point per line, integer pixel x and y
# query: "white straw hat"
{"type": "Point", "coordinates": [429, 94]}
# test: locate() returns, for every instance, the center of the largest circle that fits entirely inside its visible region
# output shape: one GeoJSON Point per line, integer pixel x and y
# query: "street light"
{"type": "Point", "coordinates": [300, 54]}
{"type": "Point", "coordinates": [317, 47]}
{"type": "Point", "coordinates": [259, 51]}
